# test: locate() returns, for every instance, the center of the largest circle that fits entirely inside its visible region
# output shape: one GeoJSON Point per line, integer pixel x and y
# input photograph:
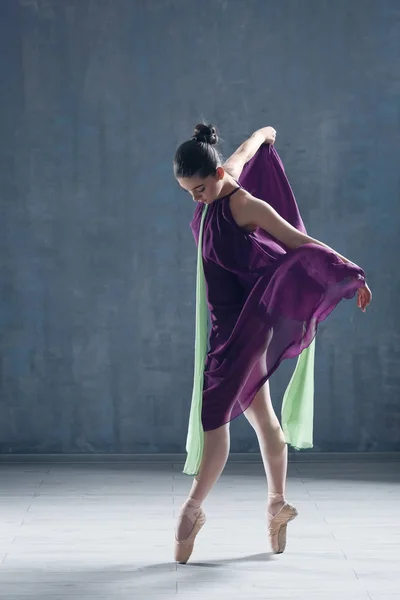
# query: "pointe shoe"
{"type": "Point", "coordinates": [278, 526]}
{"type": "Point", "coordinates": [184, 548]}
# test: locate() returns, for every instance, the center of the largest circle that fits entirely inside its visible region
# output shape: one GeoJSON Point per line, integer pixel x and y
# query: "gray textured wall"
{"type": "Point", "coordinates": [97, 260]}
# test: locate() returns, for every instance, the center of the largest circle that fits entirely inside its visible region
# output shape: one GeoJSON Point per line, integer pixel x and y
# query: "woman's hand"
{"type": "Point", "coordinates": [364, 297]}
{"type": "Point", "coordinates": [269, 134]}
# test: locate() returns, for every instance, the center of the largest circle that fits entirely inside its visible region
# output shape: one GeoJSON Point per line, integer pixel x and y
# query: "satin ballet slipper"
{"type": "Point", "coordinates": [278, 526]}
{"type": "Point", "coordinates": [184, 548]}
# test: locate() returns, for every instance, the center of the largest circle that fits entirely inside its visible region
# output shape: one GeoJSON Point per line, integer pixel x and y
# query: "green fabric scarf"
{"type": "Point", "coordinates": [298, 402]}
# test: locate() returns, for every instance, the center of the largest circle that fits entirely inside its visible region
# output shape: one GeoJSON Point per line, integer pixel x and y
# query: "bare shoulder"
{"type": "Point", "coordinates": [240, 204]}
{"type": "Point", "coordinates": [243, 200]}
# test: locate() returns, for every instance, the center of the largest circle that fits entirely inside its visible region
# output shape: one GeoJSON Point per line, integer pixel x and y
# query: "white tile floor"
{"type": "Point", "coordinates": [105, 531]}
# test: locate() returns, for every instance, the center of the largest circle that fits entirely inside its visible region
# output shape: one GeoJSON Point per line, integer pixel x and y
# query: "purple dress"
{"type": "Point", "coordinates": [265, 300]}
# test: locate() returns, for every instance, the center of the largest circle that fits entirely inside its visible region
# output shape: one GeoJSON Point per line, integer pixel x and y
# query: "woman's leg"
{"type": "Point", "coordinates": [264, 421]}
{"type": "Point", "coordinates": [215, 455]}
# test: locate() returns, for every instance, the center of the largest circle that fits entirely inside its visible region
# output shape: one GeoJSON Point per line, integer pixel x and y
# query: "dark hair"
{"type": "Point", "coordinates": [198, 156]}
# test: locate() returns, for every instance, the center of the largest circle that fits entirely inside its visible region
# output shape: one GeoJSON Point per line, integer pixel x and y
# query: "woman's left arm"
{"type": "Point", "coordinates": [251, 212]}
{"type": "Point", "coordinates": [235, 163]}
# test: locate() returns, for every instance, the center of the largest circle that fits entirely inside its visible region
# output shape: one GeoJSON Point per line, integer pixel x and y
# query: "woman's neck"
{"type": "Point", "coordinates": [229, 184]}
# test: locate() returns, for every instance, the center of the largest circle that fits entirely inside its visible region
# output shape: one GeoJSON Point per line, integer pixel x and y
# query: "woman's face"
{"type": "Point", "coordinates": [203, 190]}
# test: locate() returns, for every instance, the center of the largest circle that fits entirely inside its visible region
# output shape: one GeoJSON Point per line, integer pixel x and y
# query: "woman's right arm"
{"type": "Point", "coordinates": [235, 163]}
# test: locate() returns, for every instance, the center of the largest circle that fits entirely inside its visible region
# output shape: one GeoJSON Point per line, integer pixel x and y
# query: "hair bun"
{"type": "Point", "coordinates": [205, 133]}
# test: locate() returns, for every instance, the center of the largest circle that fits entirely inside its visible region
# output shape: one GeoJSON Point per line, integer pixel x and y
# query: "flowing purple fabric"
{"type": "Point", "coordinates": [265, 300]}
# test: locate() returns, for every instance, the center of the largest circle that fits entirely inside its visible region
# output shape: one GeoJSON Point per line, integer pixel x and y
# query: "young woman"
{"type": "Point", "coordinates": [268, 284]}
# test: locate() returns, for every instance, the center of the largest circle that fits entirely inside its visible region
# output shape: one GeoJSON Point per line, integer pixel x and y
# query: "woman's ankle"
{"type": "Point", "coordinates": [192, 502]}
{"type": "Point", "coordinates": [276, 501]}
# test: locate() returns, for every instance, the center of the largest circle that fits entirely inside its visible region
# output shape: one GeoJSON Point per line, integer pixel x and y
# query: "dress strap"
{"type": "Point", "coordinates": [234, 191]}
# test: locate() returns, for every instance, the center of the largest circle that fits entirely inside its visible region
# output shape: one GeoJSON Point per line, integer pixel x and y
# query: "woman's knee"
{"type": "Point", "coordinates": [217, 437]}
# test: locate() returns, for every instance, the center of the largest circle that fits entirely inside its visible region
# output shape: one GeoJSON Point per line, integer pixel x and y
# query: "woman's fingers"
{"type": "Point", "coordinates": [359, 298]}
{"type": "Point", "coordinates": [364, 296]}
